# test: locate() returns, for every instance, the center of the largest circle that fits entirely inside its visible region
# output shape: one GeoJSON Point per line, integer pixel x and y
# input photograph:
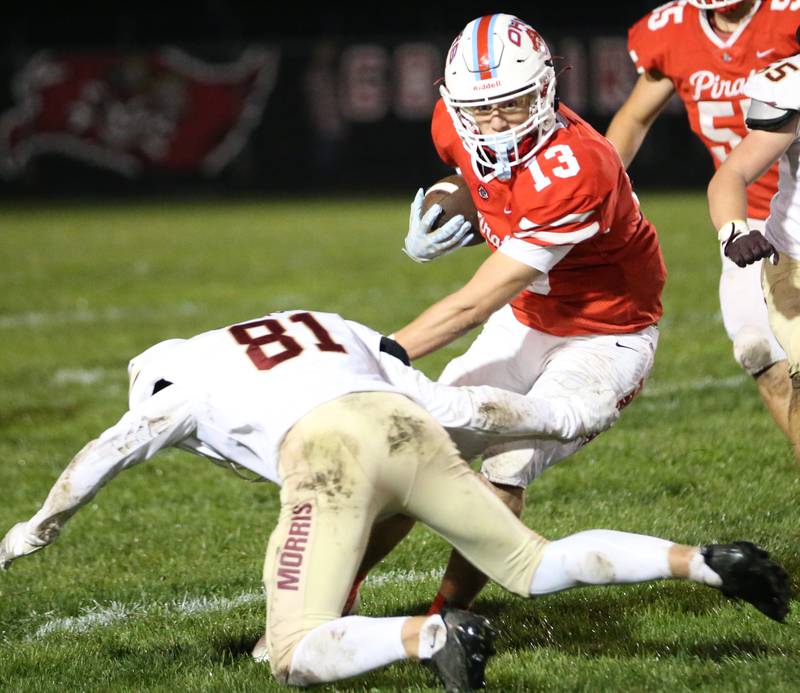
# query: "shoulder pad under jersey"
{"type": "Point", "coordinates": [763, 116]}
{"type": "Point", "coordinates": [777, 85]}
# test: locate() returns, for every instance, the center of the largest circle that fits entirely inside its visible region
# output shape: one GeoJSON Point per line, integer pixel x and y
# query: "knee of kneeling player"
{"type": "Point", "coordinates": [280, 672]}
{"type": "Point", "coordinates": [281, 656]}
{"type": "Point", "coordinates": [752, 351]}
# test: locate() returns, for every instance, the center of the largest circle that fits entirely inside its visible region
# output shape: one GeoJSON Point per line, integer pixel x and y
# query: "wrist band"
{"type": "Point", "coordinates": [732, 228]}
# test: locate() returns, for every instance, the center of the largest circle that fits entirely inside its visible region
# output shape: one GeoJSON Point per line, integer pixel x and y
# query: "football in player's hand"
{"type": "Point", "coordinates": [453, 195]}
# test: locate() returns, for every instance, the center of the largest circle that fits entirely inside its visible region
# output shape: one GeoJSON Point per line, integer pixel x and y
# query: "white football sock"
{"type": "Point", "coordinates": [432, 637]}
{"type": "Point", "coordinates": [700, 572]}
{"type": "Point", "coordinates": [347, 647]}
{"type": "Point", "coordinates": [601, 557]}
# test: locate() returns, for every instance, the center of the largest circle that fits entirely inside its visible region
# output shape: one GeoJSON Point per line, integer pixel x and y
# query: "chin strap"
{"type": "Point", "coordinates": [500, 146]}
{"type": "Point", "coordinates": [502, 167]}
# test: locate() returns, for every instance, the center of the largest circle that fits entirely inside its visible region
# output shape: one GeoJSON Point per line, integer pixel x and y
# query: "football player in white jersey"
{"type": "Point", "coordinates": [703, 51]}
{"type": "Point", "coordinates": [775, 136]}
{"type": "Point", "coordinates": [315, 404]}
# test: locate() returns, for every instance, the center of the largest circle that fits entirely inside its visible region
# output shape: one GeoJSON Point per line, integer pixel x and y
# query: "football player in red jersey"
{"type": "Point", "coordinates": [705, 50]}
{"type": "Point", "coordinates": [571, 291]}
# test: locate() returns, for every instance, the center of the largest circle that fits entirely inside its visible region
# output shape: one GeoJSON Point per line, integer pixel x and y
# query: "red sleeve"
{"type": "Point", "coordinates": [562, 222]}
{"type": "Point", "coordinates": [787, 23]}
{"type": "Point", "coordinates": [649, 41]}
{"type": "Point", "coordinates": [574, 205]}
{"type": "Point", "coordinates": [444, 134]}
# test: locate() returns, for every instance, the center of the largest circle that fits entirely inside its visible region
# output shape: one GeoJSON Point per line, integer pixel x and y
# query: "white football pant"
{"type": "Point", "coordinates": [744, 314]}
{"type": "Point", "coordinates": [513, 356]}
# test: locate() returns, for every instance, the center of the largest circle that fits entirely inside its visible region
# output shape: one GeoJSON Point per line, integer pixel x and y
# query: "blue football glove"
{"type": "Point", "coordinates": [421, 245]}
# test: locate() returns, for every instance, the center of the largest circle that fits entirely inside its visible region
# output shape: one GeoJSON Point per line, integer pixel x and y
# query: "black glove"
{"type": "Point", "coordinates": [746, 248]}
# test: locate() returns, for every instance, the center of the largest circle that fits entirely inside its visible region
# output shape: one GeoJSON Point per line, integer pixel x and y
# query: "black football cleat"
{"type": "Point", "coordinates": [748, 573]}
{"type": "Point", "coordinates": [461, 663]}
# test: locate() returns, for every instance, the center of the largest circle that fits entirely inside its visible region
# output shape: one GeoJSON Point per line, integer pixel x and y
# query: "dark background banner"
{"type": "Point", "coordinates": [329, 106]}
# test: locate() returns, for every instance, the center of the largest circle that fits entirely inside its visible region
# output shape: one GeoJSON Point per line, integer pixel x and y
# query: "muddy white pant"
{"type": "Point", "coordinates": [366, 456]}
{"type": "Point", "coordinates": [345, 465]}
{"type": "Point", "coordinates": [515, 357]}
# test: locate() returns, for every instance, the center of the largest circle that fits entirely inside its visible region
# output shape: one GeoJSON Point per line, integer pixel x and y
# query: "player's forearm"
{"type": "Point", "coordinates": [626, 134]}
{"type": "Point", "coordinates": [134, 439]}
{"type": "Point", "coordinates": [498, 280]}
{"type": "Point", "coordinates": [76, 486]}
{"type": "Point", "coordinates": [500, 412]}
{"type": "Point", "coordinates": [489, 410]}
{"type": "Point", "coordinates": [86, 474]}
{"type": "Point", "coordinates": [632, 122]}
{"type": "Point", "coordinates": [161, 421]}
{"type": "Point", "coordinates": [441, 324]}
{"type": "Point", "coordinates": [727, 191]}
{"type": "Point", "coordinates": [727, 197]}
{"type": "Point", "coordinates": [510, 414]}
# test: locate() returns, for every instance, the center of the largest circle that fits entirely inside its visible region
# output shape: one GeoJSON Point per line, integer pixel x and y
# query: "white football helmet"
{"type": "Point", "coordinates": [716, 4]}
{"type": "Point", "coordinates": [141, 377]}
{"type": "Point", "coordinates": [497, 58]}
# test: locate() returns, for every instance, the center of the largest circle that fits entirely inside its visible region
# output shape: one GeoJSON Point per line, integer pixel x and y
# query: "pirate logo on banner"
{"type": "Point", "coordinates": [162, 111]}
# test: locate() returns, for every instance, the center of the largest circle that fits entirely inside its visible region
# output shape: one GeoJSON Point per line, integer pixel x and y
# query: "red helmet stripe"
{"type": "Point", "coordinates": [483, 47]}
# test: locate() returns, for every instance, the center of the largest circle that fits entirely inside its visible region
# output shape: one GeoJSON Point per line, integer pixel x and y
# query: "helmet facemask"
{"type": "Point", "coordinates": [502, 150]}
{"type": "Point", "coordinates": [510, 62]}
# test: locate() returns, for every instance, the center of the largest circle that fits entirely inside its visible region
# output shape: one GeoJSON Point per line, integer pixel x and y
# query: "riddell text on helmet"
{"type": "Point", "coordinates": [293, 550]}
{"type": "Point", "coordinates": [481, 86]}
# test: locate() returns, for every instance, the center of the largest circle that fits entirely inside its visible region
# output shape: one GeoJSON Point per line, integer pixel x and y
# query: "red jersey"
{"type": "Point", "coordinates": [574, 199]}
{"type": "Point", "coordinates": [709, 72]}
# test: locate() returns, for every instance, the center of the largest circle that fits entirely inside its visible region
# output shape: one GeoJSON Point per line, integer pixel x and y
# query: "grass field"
{"type": "Point", "coordinates": [156, 584]}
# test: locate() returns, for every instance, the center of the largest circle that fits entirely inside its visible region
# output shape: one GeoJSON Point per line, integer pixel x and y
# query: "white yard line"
{"type": "Point", "coordinates": [396, 577]}
{"type": "Point", "coordinates": [100, 616]}
{"type": "Point", "coordinates": [81, 376]}
{"type": "Point", "coordinates": [82, 315]}
{"type": "Point", "coordinates": [95, 616]}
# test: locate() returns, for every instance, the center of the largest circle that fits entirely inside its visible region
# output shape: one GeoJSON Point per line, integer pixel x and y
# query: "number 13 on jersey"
{"type": "Point", "coordinates": [566, 167]}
